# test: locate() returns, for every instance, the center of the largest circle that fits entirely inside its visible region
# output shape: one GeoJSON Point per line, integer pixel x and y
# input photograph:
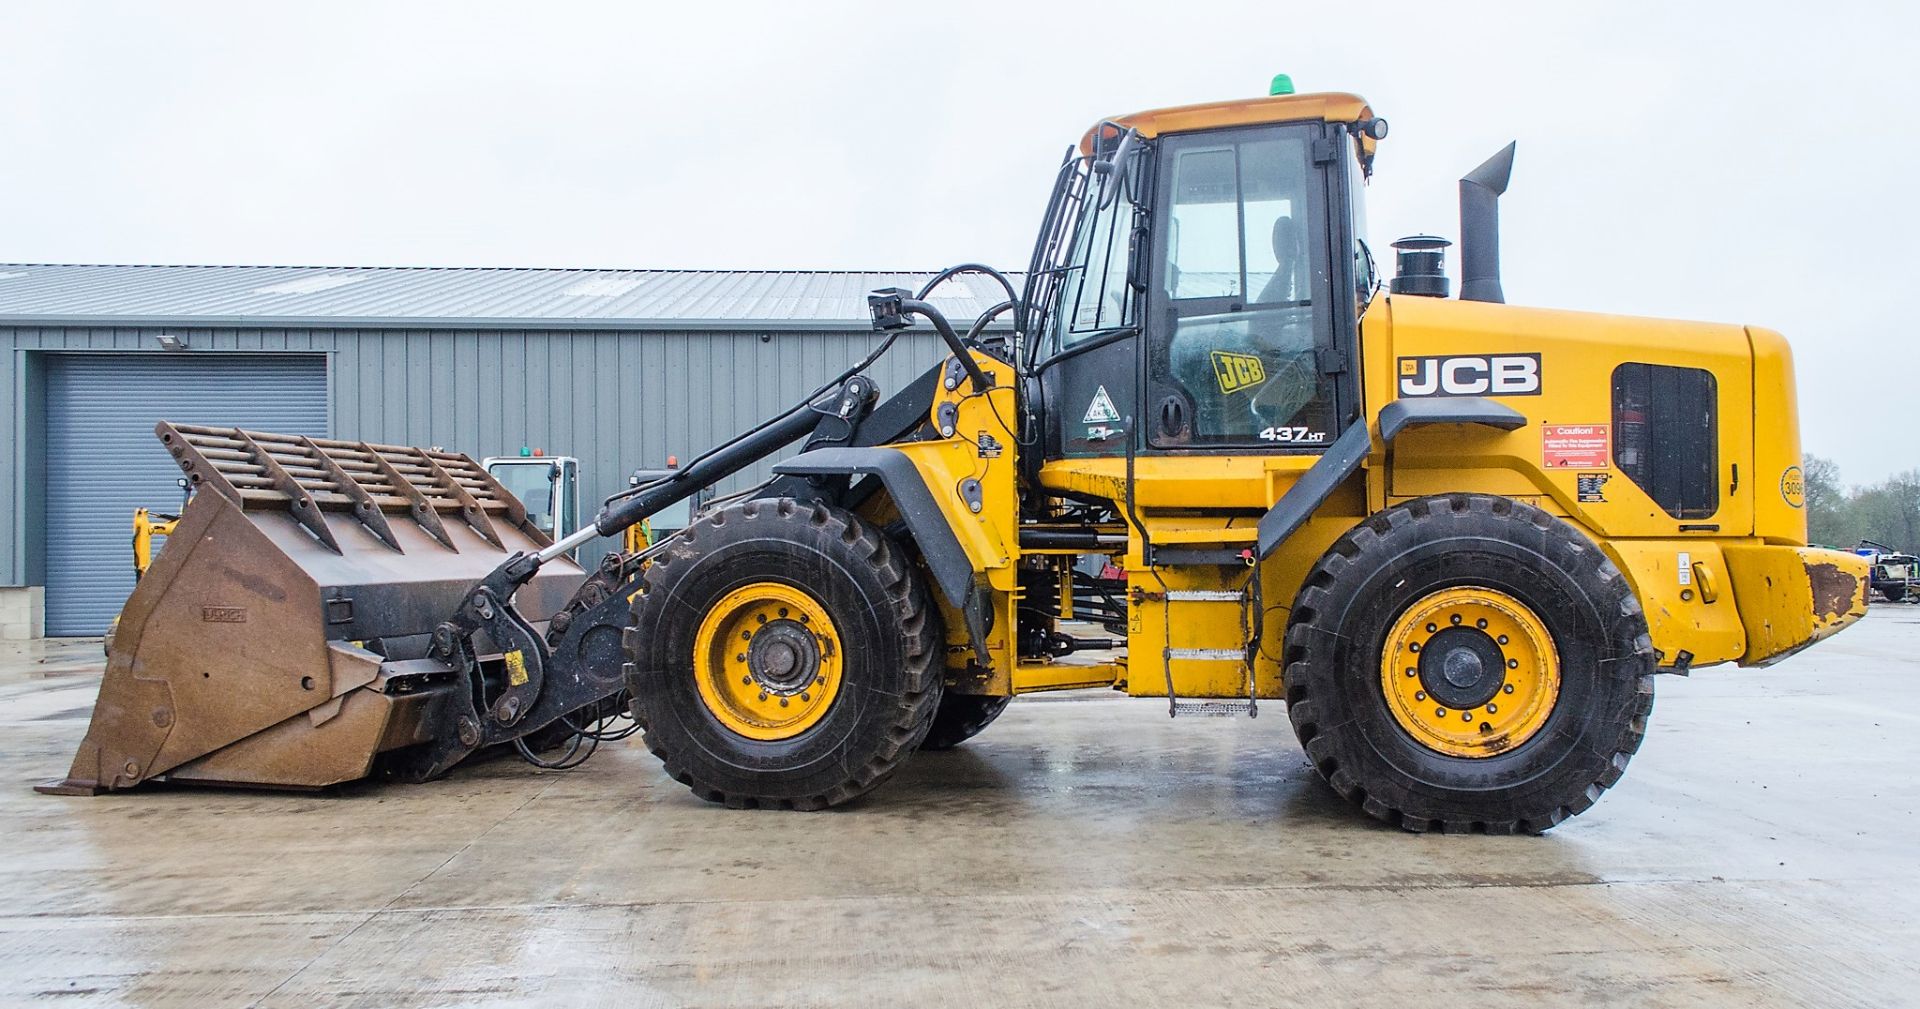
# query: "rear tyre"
{"type": "Point", "coordinates": [783, 655]}
{"type": "Point", "coordinates": [1894, 593]}
{"type": "Point", "coordinates": [960, 718]}
{"type": "Point", "coordinates": [1468, 662]}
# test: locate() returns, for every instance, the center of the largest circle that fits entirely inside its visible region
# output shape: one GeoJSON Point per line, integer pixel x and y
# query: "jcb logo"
{"type": "Point", "coordinates": [1237, 371]}
{"type": "Point", "coordinates": [1488, 375]}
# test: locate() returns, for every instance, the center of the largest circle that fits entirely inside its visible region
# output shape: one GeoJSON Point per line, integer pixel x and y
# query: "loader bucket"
{"type": "Point", "coordinates": [280, 638]}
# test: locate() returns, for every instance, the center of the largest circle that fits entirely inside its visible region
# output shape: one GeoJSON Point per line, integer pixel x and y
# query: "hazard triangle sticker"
{"type": "Point", "coordinates": [1101, 410]}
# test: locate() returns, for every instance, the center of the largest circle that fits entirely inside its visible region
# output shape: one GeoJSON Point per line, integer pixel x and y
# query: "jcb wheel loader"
{"type": "Point", "coordinates": [1456, 538]}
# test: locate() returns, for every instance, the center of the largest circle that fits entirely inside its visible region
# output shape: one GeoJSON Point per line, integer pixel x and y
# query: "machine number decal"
{"type": "Point", "coordinates": [1576, 446]}
{"type": "Point", "coordinates": [1471, 375]}
{"type": "Point", "coordinates": [1294, 435]}
{"type": "Point", "coordinates": [1101, 410]}
{"type": "Point", "coordinates": [1591, 488]}
{"type": "Point", "coordinates": [1237, 371]}
{"type": "Point", "coordinates": [1793, 487]}
{"type": "Point", "coordinates": [516, 668]}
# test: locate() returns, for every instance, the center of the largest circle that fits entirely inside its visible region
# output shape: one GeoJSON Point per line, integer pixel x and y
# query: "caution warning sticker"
{"type": "Point", "coordinates": [1576, 446]}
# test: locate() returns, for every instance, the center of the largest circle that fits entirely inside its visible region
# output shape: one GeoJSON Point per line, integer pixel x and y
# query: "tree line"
{"type": "Point", "coordinates": [1840, 516]}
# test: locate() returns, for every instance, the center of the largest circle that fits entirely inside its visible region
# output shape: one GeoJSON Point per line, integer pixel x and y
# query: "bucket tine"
{"type": "Point", "coordinates": [281, 638]}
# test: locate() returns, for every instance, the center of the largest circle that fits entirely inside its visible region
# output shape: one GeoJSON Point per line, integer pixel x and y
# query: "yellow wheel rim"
{"type": "Point", "coordinates": [1470, 672]}
{"type": "Point", "coordinates": [768, 661]}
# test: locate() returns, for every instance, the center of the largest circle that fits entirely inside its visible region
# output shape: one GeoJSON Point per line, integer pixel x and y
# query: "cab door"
{"type": "Point", "coordinates": [1244, 338]}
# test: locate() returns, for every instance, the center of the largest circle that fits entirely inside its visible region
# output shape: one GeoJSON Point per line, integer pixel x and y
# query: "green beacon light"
{"type": "Point", "coordinates": [525, 451]}
{"type": "Point", "coordinates": [1282, 85]}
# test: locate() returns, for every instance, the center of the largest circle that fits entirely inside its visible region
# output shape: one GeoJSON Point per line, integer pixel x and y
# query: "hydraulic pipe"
{"type": "Point", "coordinates": [959, 347]}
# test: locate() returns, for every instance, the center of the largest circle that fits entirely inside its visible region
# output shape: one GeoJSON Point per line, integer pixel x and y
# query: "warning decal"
{"type": "Point", "coordinates": [1576, 446]}
{"type": "Point", "coordinates": [1101, 410]}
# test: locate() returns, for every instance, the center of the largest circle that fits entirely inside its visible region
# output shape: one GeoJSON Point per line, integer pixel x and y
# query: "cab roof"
{"type": "Point", "coordinates": [1328, 106]}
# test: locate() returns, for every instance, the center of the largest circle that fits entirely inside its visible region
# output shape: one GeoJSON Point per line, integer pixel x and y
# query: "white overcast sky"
{"type": "Point", "coordinates": [1744, 162]}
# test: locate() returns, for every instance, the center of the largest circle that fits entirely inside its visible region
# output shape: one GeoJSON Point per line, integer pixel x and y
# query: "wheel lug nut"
{"type": "Point", "coordinates": [1466, 716]}
{"type": "Point", "coordinates": [1413, 672]}
{"type": "Point", "coordinates": [1503, 639]}
{"type": "Point", "coordinates": [1432, 627]}
{"type": "Point", "coordinates": [759, 618]}
{"type": "Point", "coordinates": [783, 611]}
{"type": "Point", "coordinates": [805, 696]}
{"type": "Point", "coordinates": [783, 702]}
{"type": "Point", "coordinates": [1419, 695]}
{"type": "Point", "coordinates": [820, 680]}
{"type": "Point", "coordinates": [763, 695]}
{"type": "Point", "coordinates": [740, 657]}
{"type": "Point", "coordinates": [1439, 712]}
{"type": "Point", "coordinates": [1414, 647]}
{"type": "Point", "coordinates": [1456, 620]}
{"type": "Point", "coordinates": [1492, 708]}
{"type": "Point", "coordinates": [1513, 663]}
{"type": "Point", "coordinates": [1508, 688]}
{"type": "Point", "coordinates": [1481, 623]}
{"type": "Point", "coordinates": [746, 680]}
{"type": "Point", "coordinates": [746, 635]}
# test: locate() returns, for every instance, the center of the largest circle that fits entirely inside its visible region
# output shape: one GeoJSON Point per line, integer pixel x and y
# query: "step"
{"type": "Point", "coordinates": [1215, 709]}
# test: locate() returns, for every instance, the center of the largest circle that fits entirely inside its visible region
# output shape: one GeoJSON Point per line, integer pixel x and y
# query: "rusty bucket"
{"type": "Point", "coordinates": [280, 638]}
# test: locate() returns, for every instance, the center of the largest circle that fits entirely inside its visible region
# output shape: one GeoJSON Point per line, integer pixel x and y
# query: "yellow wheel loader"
{"type": "Point", "coordinates": [1456, 538]}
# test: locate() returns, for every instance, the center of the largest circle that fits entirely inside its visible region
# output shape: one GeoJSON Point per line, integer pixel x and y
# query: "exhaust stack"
{"type": "Point", "coordinates": [1480, 192]}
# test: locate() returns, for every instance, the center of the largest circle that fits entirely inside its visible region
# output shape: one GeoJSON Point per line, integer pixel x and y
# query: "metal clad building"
{"type": "Point", "coordinates": [619, 368]}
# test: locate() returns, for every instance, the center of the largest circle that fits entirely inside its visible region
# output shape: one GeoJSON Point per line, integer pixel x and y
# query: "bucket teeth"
{"type": "Point", "coordinates": [313, 478]}
{"type": "Point", "coordinates": [280, 637]}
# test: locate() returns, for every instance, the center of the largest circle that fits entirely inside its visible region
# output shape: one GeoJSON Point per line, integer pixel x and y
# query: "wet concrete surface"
{"type": "Point", "coordinates": [1083, 851]}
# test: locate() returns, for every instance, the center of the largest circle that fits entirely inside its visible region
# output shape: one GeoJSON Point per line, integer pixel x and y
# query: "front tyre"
{"type": "Point", "coordinates": [1468, 662]}
{"type": "Point", "coordinates": [784, 655]}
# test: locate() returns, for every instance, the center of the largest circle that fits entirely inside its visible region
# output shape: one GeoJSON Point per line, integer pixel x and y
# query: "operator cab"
{"type": "Point", "coordinates": [1193, 280]}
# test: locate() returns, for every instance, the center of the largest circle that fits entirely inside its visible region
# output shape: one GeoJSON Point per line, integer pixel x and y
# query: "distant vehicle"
{"type": "Point", "coordinates": [548, 485]}
{"type": "Point", "coordinates": [1894, 573]}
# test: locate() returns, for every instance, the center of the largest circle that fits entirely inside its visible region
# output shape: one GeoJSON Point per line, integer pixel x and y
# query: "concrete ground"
{"type": "Point", "coordinates": [1083, 851]}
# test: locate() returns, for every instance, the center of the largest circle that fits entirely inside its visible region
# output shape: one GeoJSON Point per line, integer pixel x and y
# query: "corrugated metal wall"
{"type": "Point", "coordinates": [103, 461]}
{"type": "Point", "coordinates": [617, 400]}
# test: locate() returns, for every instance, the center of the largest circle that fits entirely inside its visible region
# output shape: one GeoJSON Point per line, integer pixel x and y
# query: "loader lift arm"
{"type": "Point", "coordinates": [581, 666]}
{"type": "Point", "coordinates": [547, 682]}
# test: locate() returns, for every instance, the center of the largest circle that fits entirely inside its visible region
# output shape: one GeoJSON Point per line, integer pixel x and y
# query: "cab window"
{"type": "Point", "coordinates": [1242, 273]}
{"type": "Point", "coordinates": [1095, 297]}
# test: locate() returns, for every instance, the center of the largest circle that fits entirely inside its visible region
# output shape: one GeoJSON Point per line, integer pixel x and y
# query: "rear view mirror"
{"type": "Point", "coordinates": [1112, 170]}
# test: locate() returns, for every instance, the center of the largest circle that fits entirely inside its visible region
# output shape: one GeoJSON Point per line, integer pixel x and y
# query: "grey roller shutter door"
{"type": "Point", "coordinates": [103, 460]}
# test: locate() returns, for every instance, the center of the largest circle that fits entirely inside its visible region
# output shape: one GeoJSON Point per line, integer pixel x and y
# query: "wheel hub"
{"type": "Point", "coordinates": [767, 661]}
{"type": "Point", "coordinates": [1470, 672]}
{"type": "Point", "coordinates": [783, 657]}
{"type": "Point", "coordinates": [1462, 667]}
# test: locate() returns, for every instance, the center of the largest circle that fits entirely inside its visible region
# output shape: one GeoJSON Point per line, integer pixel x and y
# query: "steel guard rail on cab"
{"type": "Point", "coordinates": [1349, 450]}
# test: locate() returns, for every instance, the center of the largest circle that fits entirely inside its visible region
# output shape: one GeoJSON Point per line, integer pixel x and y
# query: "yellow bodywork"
{"type": "Point", "coordinates": [146, 526]}
{"type": "Point", "coordinates": [1738, 585]}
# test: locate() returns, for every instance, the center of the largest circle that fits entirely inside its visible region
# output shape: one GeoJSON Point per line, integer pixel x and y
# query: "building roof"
{"type": "Point", "coordinates": [461, 298]}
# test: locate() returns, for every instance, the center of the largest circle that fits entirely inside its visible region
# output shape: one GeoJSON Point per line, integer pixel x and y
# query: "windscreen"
{"type": "Point", "coordinates": [532, 483]}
